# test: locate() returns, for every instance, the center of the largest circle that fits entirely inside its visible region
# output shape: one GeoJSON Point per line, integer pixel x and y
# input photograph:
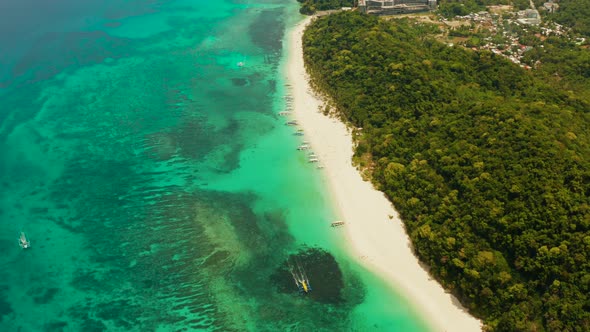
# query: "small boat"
{"type": "Point", "coordinates": [291, 123]}
{"type": "Point", "coordinates": [303, 147]}
{"type": "Point", "coordinates": [282, 113]}
{"type": "Point", "coordinates": [313, 160]}
{"type": "Point", "coordinates": [23, 242]}
{"type": "Point", "coordinates": [320, 166]}
{"type": "Point", "coordinates": [241, 64]}
{"type": "Point", "coordinates": [304, 285]}
{"type": "Point", "coordinates": [300, 278]}
{"type": "Point", "coordinates": [299, 133]}
{"type": "Point", "coordinates": [337, 223]}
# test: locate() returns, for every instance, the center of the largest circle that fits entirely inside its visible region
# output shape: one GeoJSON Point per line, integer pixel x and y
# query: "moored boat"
{"type": "Point", "coordinates": [23, 242]}
{"type": "Point", "coordinates": [300, 278]}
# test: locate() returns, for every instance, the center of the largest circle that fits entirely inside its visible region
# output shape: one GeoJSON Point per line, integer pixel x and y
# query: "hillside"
{"type": "Point", "coordinates": [488, 164]}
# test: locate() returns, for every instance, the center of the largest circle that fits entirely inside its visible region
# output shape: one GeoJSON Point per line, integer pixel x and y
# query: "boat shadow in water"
{"type": "Point", "coordinates": [312, 272]}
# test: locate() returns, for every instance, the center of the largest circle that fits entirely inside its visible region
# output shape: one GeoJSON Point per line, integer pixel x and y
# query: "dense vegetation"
{"type": "Point", "coordinates": [450, 9]}
{"type": "Point", "coordinates": [564, 61]}
{"type": "Point", "coordinates": [575, 14]}
{"type": "Point", "coordinates": [309, 7]}
{"type": "Point", "coordinates": [488, 164]}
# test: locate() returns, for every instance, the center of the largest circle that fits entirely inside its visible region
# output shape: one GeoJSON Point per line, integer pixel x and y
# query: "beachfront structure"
{"type": "Point", "coordinates": [392, 7]}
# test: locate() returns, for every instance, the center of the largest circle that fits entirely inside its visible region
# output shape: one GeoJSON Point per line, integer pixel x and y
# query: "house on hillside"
{"type": "Point", "coordinates": [550, 6]}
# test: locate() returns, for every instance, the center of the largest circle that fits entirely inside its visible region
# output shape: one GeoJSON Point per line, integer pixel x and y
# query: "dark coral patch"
{"type": "Point", "coordinates": [45, 295]}
{"type": "Point", "coordinates": [5, 308]}
{"type": "Point", "coordinates": [322, 270]}
{"type": "Point", "coordinates": [56, 326]}
{"type": "Point", "coordinates": [239, 81]}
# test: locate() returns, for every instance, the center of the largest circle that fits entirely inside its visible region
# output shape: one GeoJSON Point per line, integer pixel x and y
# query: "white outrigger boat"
{"type": "Point", "coordinates": [23, 242]}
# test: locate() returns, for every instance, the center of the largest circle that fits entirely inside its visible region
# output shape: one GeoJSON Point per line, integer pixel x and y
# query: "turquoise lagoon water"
{"type": "Point", "coordinates": [157, 184]}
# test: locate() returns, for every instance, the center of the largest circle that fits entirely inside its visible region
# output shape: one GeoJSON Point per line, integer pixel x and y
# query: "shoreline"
{"type": "Point", "coordinates": [376, 237]}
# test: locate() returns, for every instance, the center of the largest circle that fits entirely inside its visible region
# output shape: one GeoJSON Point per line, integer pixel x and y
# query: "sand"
{"type": "Point", "coordinates": [376, 236]}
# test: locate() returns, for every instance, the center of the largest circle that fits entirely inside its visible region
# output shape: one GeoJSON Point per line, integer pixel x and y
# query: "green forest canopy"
{"type": "Point", "coordinates": [309, 7]}
{"type": "Point", "coordinates": [487, 164]}
{"type": "Point", "coordinates": [574, 14]}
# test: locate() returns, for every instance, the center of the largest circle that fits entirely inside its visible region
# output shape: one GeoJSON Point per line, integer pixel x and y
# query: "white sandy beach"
{"type": "Point", "coordinates": [380, 243]}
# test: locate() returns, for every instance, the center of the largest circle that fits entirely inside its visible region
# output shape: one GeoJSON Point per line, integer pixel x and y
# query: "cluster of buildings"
{"type": "Point", "coordinates": [525, 17]}
{"type": "Point", "coordinates": [515, 54]}
{"type": "Point", "coordinates": [482, 17]}
{"type": "Point", "coordinates": [392, 7]}
{"type": "Point", "coordinates": [511, 48]}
